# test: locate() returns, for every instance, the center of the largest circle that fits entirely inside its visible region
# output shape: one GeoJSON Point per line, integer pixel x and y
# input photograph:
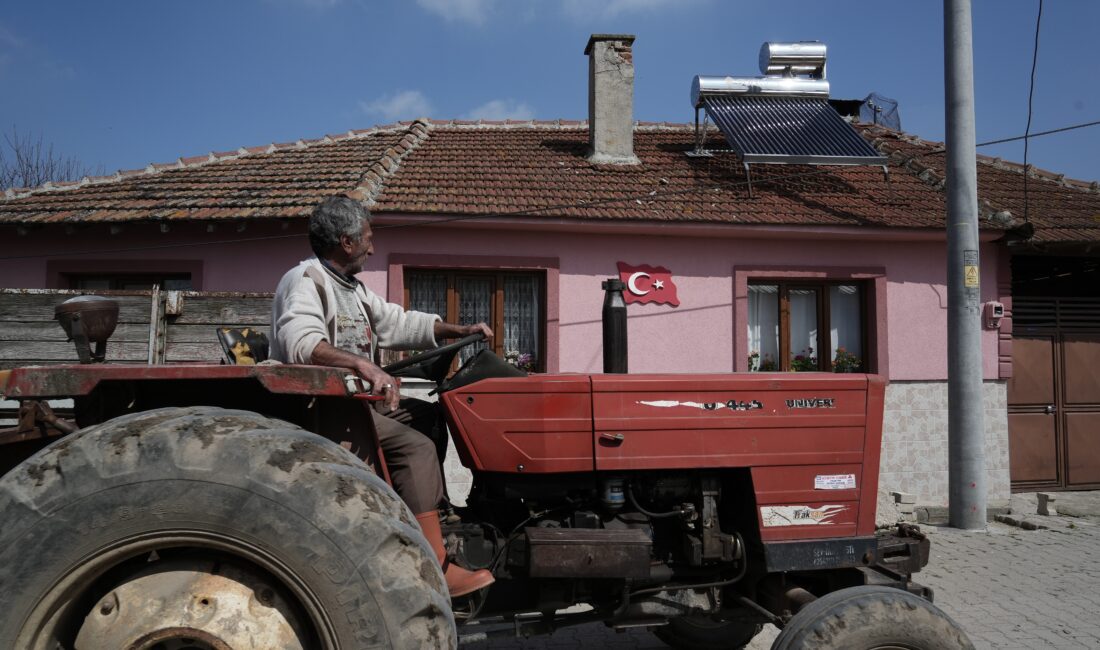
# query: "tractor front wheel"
{"type": "Point", "coordinates": [872, 618]}
{"type": "Point", "coordinates": [212, 529]}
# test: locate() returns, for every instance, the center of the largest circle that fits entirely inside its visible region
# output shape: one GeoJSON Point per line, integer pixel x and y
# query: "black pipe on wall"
{"type": "Point", "coordinates": [614, 327]}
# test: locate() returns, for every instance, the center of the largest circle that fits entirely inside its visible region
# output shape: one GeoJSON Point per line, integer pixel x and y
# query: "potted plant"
{"type": "Point", "coordinates": [846, 361]}
{"type": "Point", "coordinates": [761, 364]}
{"type": "Point", "coordinates": [804, 361]}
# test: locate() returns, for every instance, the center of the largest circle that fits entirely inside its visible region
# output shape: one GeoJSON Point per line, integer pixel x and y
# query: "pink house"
{"type": "Point", "coordinates": [516, 223]}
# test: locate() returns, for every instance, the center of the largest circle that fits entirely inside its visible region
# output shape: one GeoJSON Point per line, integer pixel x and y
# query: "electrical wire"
{"type": "Point", "coordinates": [1040, 133]}
{"type": "Point", "coordinates": [1030, 98]}
{"type": "Point", "coordinates": [1016, 138]}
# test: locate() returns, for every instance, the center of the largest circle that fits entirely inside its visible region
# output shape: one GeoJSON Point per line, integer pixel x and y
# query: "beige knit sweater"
{"type": "Point", "coordinates": [302, 317]}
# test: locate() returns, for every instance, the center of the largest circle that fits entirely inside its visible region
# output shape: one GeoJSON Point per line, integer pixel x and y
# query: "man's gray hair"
{"type": "Point", "coordinates": [335, 217]}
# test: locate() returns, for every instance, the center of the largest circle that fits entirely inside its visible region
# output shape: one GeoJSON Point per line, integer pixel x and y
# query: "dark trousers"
{"type": "Point", "coordinates": [414, 442]}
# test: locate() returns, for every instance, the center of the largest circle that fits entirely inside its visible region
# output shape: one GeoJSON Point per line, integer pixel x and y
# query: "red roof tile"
{"type": "Point", "coordinates": [538, 168]}
{"type": "Point", "coordinates": [543, 171]}
{"type": "Point", "coordinates": [1060, 209]}
{"type": "Point", "coordinates": [280, 184]}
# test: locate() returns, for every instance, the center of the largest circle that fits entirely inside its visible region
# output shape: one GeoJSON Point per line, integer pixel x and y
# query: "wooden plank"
{"type": "Point", "coordinates": [224, 310]}
{"type": "Point", "coordinates": [31, 307]}
{"type": "Point", "coordinates": [201, 333]}
{"type": "Point", "coordinates": [59, 351]}
{"type": "Point", "coordinates": [24, 363]}
{"type": "Point", "coordinates": [188, 352]}
{"type": "Point", "coordinates": [29, 335]}
{"type": "Point", "coordinates": [51, 331]}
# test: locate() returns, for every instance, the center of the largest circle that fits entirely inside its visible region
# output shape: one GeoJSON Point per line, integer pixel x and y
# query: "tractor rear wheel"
{"type": "Point", "coordinates": [872, 618]}
{"type": "Point", "coordinates": [211, 529]}
{"type": "Point", "coordinates": [705, 633]}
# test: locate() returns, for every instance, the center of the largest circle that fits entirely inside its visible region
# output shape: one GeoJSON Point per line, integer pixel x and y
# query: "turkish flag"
{"type": "Point", "coordinates": [645, 283]}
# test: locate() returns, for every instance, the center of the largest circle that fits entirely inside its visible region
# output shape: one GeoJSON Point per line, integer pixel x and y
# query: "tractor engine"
{"type": "Point", "coordinates": [594, 531]}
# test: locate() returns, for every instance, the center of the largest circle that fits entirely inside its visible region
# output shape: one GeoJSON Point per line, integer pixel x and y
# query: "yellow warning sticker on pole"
{"type": "Point", "coordinates": [970, 276]}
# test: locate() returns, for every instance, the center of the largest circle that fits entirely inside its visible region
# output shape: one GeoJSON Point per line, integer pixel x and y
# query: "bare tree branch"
{"type": "Point", "coordinates": [29, 161]}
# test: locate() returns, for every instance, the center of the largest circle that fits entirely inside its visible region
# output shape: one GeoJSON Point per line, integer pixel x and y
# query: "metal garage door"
{"type": "Point", "coordinates": [1054, 394]}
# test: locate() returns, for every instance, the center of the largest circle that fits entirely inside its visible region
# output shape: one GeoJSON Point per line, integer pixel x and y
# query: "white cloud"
{"type": "Point", "coordinates": [401, 105]}
{"type": "Point", "coordinates": [586, 9]}
{"type": "Point", "coordinates": [473, 12]}
{"type": "Point", "coordinates": [502, 109]}
{"type": "Point", "coordinates": [9, 39]}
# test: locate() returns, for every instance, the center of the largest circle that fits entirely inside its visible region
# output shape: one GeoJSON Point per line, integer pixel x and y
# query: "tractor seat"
{"type": "Point", "coordinates": [242, 346]}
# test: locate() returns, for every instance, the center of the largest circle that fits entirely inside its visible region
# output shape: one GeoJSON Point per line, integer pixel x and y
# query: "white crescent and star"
{"type": "Point", "coordinates": [634, 287]}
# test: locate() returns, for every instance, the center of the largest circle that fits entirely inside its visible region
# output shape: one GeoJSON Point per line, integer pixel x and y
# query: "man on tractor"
{"type": "Point", "coordinates": [323, 315]}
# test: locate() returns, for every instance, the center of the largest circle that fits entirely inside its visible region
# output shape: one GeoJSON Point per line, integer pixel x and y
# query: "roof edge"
{"type": "Point", "coordinates": [370, 185]}
{"type": "Point", "coordinates": [201, 161]}
{"type": "Point", "coordinates": [241, 152]}
{"type": "Point", "coordinates": [994, 161]}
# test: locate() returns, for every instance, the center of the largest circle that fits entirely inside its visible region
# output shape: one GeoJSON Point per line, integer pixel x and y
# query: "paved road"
{"type": "Point", "coordinates": [1009, 588]}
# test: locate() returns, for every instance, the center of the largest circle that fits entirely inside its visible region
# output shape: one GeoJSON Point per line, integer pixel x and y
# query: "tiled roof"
{"type": "Point", "coordinates": [1060, 209]}
{"type": "Point", "coordinates": [538, 168]}
{"type": "Point", "coordinates": [275, 181]}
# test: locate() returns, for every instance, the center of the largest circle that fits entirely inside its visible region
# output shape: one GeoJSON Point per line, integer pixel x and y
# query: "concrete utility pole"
{"type": "Point", "coordinates": [965, 426]}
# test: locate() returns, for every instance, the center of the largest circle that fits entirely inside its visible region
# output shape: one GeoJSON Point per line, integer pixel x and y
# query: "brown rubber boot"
{"type": "Point", "coordinates": [459, 581]}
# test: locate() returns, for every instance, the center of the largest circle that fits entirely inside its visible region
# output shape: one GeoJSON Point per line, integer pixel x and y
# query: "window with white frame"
{"type": "Point", "coordinates": [512, 303]}
{"type": "Point", "coordinates": [791, 322]}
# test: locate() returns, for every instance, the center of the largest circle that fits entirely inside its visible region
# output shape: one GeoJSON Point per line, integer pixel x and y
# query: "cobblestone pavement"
{"type": "Point", "coordinates": [1009, 588]}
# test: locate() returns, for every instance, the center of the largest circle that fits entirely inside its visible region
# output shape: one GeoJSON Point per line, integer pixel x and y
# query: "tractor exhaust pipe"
{"type": "Point", "coordinates": [614, 327]}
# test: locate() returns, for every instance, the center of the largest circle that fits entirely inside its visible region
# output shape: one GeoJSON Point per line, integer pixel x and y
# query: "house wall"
{"type": "Point", "coordinates": [914, 441]}
{"type": "Point", "coordinates": [35, 259]}
{"type": "Point", "coordinates": [698, 336]}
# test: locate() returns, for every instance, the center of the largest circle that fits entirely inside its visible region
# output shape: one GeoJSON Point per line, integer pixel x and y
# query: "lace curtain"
{"type": "Point", "coordinates": [845, 329]}
{"type": "Point", "coordinates": [521, 317]}
{"type": "Point", "coordinates": [428, 293]}
{"type": "Point", "coordinates": [763, 327]}
{"type": "Point", "coordinates": [475, 297]}
{"type": "Point", "coordinates": [803, 324]}
{"type": "Point", "coordinates": [475, 305]}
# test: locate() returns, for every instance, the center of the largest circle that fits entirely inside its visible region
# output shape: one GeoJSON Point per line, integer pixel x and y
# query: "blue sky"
{"type": "Point", "coordinates": [124, 83]}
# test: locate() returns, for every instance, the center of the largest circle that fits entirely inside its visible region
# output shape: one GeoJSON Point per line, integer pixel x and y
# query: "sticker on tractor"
{"type": "Point", "coordinates": [733, 405]}
{"type": "Point", "coordinates": [812, 403]}
{"type": "Point", "coordinates": [835, 482]}
{"type": "Point", "coordinates": [799, 515]}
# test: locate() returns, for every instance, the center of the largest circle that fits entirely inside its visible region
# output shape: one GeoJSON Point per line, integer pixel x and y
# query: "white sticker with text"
{"type": "Point", "coordinates": [835, 482]}
{"type": "Point", "coordinates": [799, 515]}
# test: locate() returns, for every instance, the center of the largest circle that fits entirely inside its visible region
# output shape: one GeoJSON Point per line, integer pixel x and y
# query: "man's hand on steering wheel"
{"type": "Point", "coordinates": [452, 331]}
{"type": "Point", "coordinates": [380, 383]}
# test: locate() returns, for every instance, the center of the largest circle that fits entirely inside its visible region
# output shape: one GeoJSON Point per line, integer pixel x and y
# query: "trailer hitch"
{"type": "Point", "coordinates": [36, 420]}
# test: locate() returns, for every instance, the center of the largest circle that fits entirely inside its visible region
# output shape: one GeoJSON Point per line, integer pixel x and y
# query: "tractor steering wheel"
{"type": "Point", "coordinates": [431, 364]}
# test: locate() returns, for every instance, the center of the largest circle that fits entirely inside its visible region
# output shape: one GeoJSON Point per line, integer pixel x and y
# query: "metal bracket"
{"type": "Point", "coordinates": [83, 346]}
{"type": "Point", "coordinates": [700, 136]}
{"type": "Point", "coordinates": [717, 546]}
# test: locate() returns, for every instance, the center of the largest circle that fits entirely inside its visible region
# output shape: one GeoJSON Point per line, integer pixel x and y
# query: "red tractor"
{"type": "Point", "coordinates": [246, 507]}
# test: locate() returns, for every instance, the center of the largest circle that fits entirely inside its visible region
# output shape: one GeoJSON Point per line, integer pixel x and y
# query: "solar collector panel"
{"type": "Point", "coordinates": [788, 130]}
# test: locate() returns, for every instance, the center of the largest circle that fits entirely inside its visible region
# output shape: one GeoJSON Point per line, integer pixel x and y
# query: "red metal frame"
{"type": "Point", "coordinates": [786, 429]}
{"type": "Point", "coordinates": [618, 423]}
{"type": "Point", "coordinates": [75, 380]}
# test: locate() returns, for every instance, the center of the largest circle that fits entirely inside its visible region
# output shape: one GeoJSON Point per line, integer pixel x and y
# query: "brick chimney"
{"type": "Point", "coordinates": [611, 99]}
